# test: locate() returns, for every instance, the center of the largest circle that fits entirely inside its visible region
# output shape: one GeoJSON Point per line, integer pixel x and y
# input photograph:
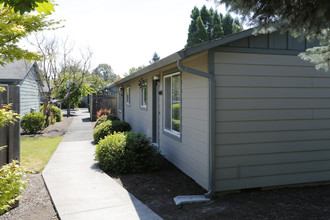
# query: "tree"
{"type": "Point", "coordinates": [13, 28]}
{"type": "Point", "coordinates": [228, 24]}
{"type": "Point", "coordinates": [7, 116]}
{"type": "Point", "coordinates": [78, 91]}
{"type": "Point", "coordinates": [23, 6]}
{"type": "Point", "coordinates": [106, 72]}
{"type": "Point", "coordinates": [210, 22]}
{"type": "Point", "coordinates": [58, 68]}
{"type": "Point", "coordinates": [95, 81]}
{"type": "Point", "coordinates": [207, 19]}
{"type": "Point", "coordinates": [155, 58]}
{"type": "Point", "coordinates": [217, 31]}
{"type": "Point", "coordinates": [133, 70]}
{"type": "Point", "coordinates": [303, 18]}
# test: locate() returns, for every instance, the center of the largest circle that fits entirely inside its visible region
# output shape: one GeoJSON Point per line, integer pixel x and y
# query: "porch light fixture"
{"type": "Point", "coordinates": [142, 83]}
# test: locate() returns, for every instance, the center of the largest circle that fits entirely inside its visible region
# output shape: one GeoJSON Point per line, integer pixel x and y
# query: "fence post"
{"type": "Point", "coordinates": [14, 129]}
{"type": "Point", "coordinates": [3, 130]}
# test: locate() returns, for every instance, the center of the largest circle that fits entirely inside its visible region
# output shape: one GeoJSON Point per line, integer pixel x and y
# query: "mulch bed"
{"type": "Point", "coordinates": [157, 190]}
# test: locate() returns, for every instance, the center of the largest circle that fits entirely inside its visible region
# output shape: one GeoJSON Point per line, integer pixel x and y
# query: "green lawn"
{"type": "Point", "coordinates": [36, 151]}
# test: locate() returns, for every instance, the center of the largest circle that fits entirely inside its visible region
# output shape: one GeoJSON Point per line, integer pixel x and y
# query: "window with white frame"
{"type": "Point", "coordinates": [172, 105]}
{"type": "Point", "coordinates": [128, 95]}
{"type": "Point", "coordinates": [143, 93]}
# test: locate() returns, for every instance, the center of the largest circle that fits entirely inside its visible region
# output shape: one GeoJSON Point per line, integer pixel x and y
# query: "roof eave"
{"type": "Point", "coordinates": [159, 64]}
{"type": "Point", "coordinates": [173, 58]}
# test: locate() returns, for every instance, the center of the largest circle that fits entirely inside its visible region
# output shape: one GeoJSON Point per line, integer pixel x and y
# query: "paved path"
{"type": "Point", "coordinates": [79, 189]}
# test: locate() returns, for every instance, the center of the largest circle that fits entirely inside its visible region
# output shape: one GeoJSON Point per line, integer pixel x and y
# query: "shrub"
{"type": "Point", "coordinates": [100, 120]}
{"type": "Point", "coordinates": [113, 118]}
{"type": "Point", "coordinates": [109, 127]}
{"type": "Point", "coordinates": [11, 184]}
{"type": "Point", "coordinates": [102, 112]}
{"type": "Point", "coordinates": [33, 122]}
{"type": "Point", "coordinates": [176, 125]}
{"type": "Point", "coordinates": [120, 126]}
{"type": "Point", "coordinates": [104, 118]}
{"type": "Point", "coordinates": [129, 152]}
{"type": "Point", "coordinates": [57, 113]}
{"type": "Point", "coordinates": [102, 130]}
{"type": "Point", "coordinates": [176, 110]}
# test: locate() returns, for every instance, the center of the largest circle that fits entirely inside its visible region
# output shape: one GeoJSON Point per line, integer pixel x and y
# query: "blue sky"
{"type": "Point", "coordinates": [126, 33]}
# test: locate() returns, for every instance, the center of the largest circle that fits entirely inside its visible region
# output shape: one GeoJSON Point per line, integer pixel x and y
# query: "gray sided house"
{"type": "Point", "coordinates": [239, 112]}
{"type": "Point", "coordinates": [24, 74]}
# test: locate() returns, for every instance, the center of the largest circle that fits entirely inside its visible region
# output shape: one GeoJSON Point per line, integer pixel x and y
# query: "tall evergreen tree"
{"type": "Point", "coordinates": [202, 34]}
{"type": "Point", "coordinates": [228, 24]}
{"type": "Point", "coordinates": [207, 19]}
{"type": "Point", "coordinates": [213, 23]}
{"type": "Point", "coordinates": [193, 27]}
{"type": "Point", "coordinates": [155, 58]}
{"type": "Point", "coordinates": [217, 31]}
{"type": "Point", "coordinates": [236, 26]}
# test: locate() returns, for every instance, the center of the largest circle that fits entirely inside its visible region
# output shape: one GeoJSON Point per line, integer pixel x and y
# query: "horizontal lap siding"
{"type": "Point", "coordinates": [272, 121]}
{"type": "Point", "coordinates": [30, 95]}
{"type": "Point", "coordinates": [191, 154]}
{"type": "Point", "coordinates": [139, 119]}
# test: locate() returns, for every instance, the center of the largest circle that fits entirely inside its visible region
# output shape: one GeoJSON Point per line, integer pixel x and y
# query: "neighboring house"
{"type": "Point", "coordinates": [24, 74]}
{"type": "Point", "coordinates": [239, 112]}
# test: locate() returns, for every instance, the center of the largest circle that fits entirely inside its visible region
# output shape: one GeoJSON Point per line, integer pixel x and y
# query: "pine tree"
{"type": "Point", "coordinates": [217, 31]}
{"type": "Point", "coordinates": [228, 24]}
{"type": "Point", "coordinates": [202, 34]}
{"type": "Point", "coordinates": [193, 27]}
{"type": "Point", "coordinates": [207, 19]}
{"type": "Point", "coordinates": [213, 23]}
{"type": "Point", "coordinates": [236, 26]}
{"type": "Point", "coordinates": [155, 58]}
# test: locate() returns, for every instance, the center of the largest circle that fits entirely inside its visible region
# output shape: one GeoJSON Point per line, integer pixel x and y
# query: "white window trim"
{"type": "Point", "coordinates": [170, 131]}
{"type": "Point", "coordinates": [142, 104]}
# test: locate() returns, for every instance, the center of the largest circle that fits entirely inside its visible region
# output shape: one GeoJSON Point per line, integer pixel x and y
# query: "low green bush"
{"type": "Point", "coordinates": [120, 126]}
{"type": "Point", "coordinates": [11, 185]}
{"type": "Point", "coordinates": [102, 130]}
{"type": "Point", "coordinates": [128, 152]}
{"type": "Point", "coordinates": [100, 120]}
{"type": "Point", "coordinates": [112, 118]}
{"type": "Point", "coordinates": [176, 125]}
{"type": "Point", "coordinates": [104, 118]}
{"type": "Point", "coordinates": [109, 127]}
{"type": "Point", "coordinates": [33, 123]}
{"type": "Point", "coordinates": [176, 111]}
{"type": "Point", "coordinates": [57, 113]}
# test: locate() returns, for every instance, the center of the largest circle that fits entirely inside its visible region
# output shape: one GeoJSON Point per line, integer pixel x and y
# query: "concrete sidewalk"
{"type": "Point", "coordinates": [79, 189]}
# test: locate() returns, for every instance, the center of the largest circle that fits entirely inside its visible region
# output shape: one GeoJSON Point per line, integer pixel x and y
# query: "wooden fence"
{"type": "Point", "coordinates": [103, 101]}
{"type": "Point", "coordinates": [10, 135]}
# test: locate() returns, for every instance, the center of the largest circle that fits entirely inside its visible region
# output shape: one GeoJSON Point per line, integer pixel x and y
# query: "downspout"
{"type": "Point", "coordinates": [211, 129]}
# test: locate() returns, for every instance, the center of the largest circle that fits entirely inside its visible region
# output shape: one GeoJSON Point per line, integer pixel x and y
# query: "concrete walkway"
{"type": "Point", "coordinates": [79, 189]}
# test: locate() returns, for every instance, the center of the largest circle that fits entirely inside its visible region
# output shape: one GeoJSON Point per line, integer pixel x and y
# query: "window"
{"type": "Point", "coordinates": [143, 93]}
{"type": "Point", "coordinates": [173, 103]}
{"type": "Point", "coordinates": [128, 95]}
